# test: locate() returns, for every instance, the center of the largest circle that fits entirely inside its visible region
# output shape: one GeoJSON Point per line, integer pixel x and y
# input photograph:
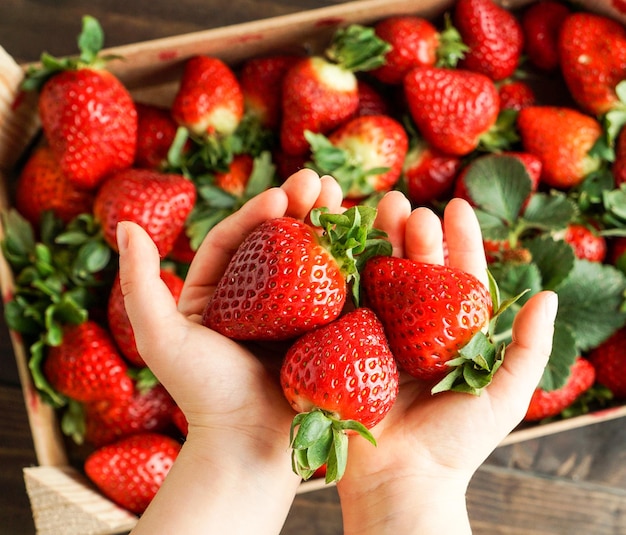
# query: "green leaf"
{"type": "Point", "coordinates": [73, 422]}
{"type": "Point", "coordinates": [357, 48]}
{"type": "Point", "coordinates": [589, 302]}
{"type": "Point", "coordinates": [311, 428]}
{"type": "Point", "coordinates": [563, 355]}
{"type": "Point", "coordinates": [549, 211]}
{"type": "Point", "coordinates": [554, 258]}
{"type": "Point", "coordinates": [498, 185]}
{"type": "Point", "coordinates": [91, 40]}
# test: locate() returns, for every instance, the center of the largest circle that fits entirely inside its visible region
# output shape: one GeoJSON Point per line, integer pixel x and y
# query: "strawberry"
{"type": "Point", "coordinates": [564, 153]}
{"type": "Point", "coordinates": [235, 179]}
{"type": "Point", "coordinates": [617, 252]}
{"type": "Point", "coordinates": [87, 366]}
{"type": "Point", "coordinates": [550, 403]}
{"type": "Point", "coordinates": [453, 109]}
{"type": "Point", "coordinates": [261, 81]}
{"type": "Point", "coordinates": [156, 130]}
{"type": "Point", "coordinates": [209, 100]}
{"type": "Point", "coordinates": [618, 167]}
{"type": "Point", "coordinates": [87, 115]}
{"type": "Point", "coordinates": [340, 378]}
{"type": "Point", "coordinates": [42, 186]}
{"type": "Point", "coordinates": [108, 420]}
{"type": "Point", "coordinates": [515, 95]}
{"type": "Point", "coordinates": [159, 202]}
{"type": "Point", "coordinates": [365, 155]}
{"type": "Point", "coordinates": [180, 420]}
{"type": "Point", "coordinates": [371, 100]}
{"type": "Point", "coordinates": [493, 35]}
{"type": "Point", "coordinates": [321, 91]}
{"type": "Point", "coordinates": [284, 279]}
{"type": "Point", "coordinates": [609, 361]}
{"type": "Point", "coordinates": [592, 51]}
{"type": "Point", "coordinates": [430, 312]}
{"type": "Point", "coordinates": [119, 323]}
{"type": "Point", "coordinates": [586, 242]}
{"type": "Point", "coordinates": [130, 471]}
{"type": "Point", "coordinates": [541, 25]}
{"type": "Point", "coordinates": [428, 173]}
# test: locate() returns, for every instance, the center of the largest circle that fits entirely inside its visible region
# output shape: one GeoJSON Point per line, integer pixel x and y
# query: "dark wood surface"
{"type": "Point", "coordinates": [572, 482]}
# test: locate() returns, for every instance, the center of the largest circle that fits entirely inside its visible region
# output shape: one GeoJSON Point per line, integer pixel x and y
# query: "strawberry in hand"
{"type": "Point", "coordinates": [87, 115]}
{"type": "Point", "coordinates": [321, 92]}
{"type": "Point", "coordinates": [341, 378]}
{"type": "Point", "coordinates": [284, 279]}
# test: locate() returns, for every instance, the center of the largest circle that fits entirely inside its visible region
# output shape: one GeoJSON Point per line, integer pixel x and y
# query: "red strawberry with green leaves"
{"type": "Point", "coordinates": [592, 51]}
{"type": "Point", "coordinates": [159, 202]}
{"type": "Point", "coordinates": [609, 361]}
{"type": "Point", "coordinates": [587, 243]}
{"type": "Point", "coordinates": [42, 186]}
{"type": "Point", "coordinates": [341, 378]}
{"type": "Point", "coordinates": [454, 110]}
{"type": "Point", "coordinates": [365, 155]}
{"type": "Point", "coordinates": [209, 100]}
{"type": "Point", "coordinates": [130, 471]}
{"type": "Point", "coordinates": [564, 152]}
{"type": "Point", "coordinates": [156, 130]}
{"type": "Point", "coordinates": [86, 365]}
{"type": "Point", "coordinates": [321, 91]}
{"type": "Point", "coordinates": [434, 317]}
{"type": "Point", "coordinates": [549, 403]}
{"type": "Point", "coordinates": [119, 323]}
{"type": "Point", "coordinates": [87, 115]}
{"type": "Point", "coordinates": [541, 24]}
{"type": "Point", "coordinates": [261, 81]}
{"type": "Point", "coordinates": [416, 42]}
{"type": "Point", "coordinates": [286, 279]}
{"type": "Point", "coordinates": [428, 173]}
{"type": "Point", "coordinates": [493, 36]}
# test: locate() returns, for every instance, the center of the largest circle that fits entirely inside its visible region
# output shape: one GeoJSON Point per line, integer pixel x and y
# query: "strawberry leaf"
{"type": "Point", "coordinates": [554, 258]}
{"type": "Point", "coordinates": [357, 48]}
{"type": "Point", "coordinates": [549, 211]}
{"type": "Point", "coordinates": [563, 355]}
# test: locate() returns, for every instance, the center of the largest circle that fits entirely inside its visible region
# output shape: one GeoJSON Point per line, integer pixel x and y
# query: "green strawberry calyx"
{"type": "Point", "coordinates": [357, 48]}
{"type": "Point", "coordinates": [351, 239]}
{"type": "Point", "coordinates": [319, 438]}
{"type": "Point", "coordinates": [90, 42]}
{"type": "Point", "coordinates": [478, 361]}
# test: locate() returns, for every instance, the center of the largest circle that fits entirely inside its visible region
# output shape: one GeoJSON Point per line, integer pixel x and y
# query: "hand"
{"type": "Point", "coordinates": [236, 456]}
{"type": "Point", "coordinates": [429, 446]}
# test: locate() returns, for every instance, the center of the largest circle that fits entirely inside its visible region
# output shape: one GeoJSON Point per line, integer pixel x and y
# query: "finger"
{"type": "Point", "coordinates": [149, 303]}
{"type": "Point", "coordinates": [393, 211]}
{"type": "Point", "coordinates": [330, 195]}
{"type": "Point", "coordinates": [464, 239]}
{"type": "Point", "coordinates": [303, 189]}
{"type": "Point", "coordinates": [424, 237]}
{"type": "Point", "coordinates": [527, 355]}
{"type": "Point", "coordinates": [220, 244]}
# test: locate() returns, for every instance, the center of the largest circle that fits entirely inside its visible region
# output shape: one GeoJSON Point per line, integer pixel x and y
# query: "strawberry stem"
{"type": "Point", "coordinates": [357, 48]}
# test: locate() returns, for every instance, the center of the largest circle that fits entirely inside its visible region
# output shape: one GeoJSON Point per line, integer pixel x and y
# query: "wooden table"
{"type": "Point", "coordinates": [572, 482]}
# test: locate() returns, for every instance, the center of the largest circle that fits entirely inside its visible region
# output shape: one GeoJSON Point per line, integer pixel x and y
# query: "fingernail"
{"type": "Point", "coordinates": [552, 305]}
{"type": "Point", "coordinates": [121, 234]}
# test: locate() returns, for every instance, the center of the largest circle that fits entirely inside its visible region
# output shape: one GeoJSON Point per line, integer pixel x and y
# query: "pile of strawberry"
{"type": "Point", "coordinates": [520, 113]}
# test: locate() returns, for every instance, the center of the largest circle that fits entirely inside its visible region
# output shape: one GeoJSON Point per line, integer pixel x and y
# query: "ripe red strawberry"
{"type": "Point", "coordinates": [592, 51]}
{"type": "Point", "coordinates": [430, 312]}
{"type": "Point", "coordinates": [156, 130]}
{"type": "Point", "coordinates": [235, 179]}
{"type": "Point", "coordinates": [284, 279]}
{"type": "Point", "coordinates": [42, 186]}
{"type": "Point", "coordinates": [180, 420]}
{"type": "Point", "coordinates": [87, 366]}
{"type": "Point", "coordinates": [108, 420]}
{"type": "Point", "coordinates": [321, 91]}
{"type": "Point", "coordinates": [131, 470]}
{"type": "Point", "coordinates": [515, 95]}
{"type": "Point", "coordinates": [587, 243]}
{"type": "Point", "coordinates": [453, 109]}
{"type": "Point", "coordinates": [428, 173]}
{"type": "Point", "coordinates": [371, 100]}
{"type": "Point", "coordinates": [541, 24]}
{"type": "Point", "coordinates": [209, 100]}
{"type": "Point", "coordinates": [119, 323]}
{"type": "Point", "coordinates": [159, 202]}
{"type": "Point", "coordinates": [365, 155]}
{"type": "Point", "coordinates": [609, 361]}
{"type": "Point", "coordinates": [550, 403]}
{"type": "Point", "coordinates": [340, 377]}
{"type": "Point", "coordinates": [494, 37]}
{"type": "Point", "coordinates": [261, 81]}
{"type": "Point", "coordinates": [564, 153]}
{"type": "Point", "coordinates": [414, 42]}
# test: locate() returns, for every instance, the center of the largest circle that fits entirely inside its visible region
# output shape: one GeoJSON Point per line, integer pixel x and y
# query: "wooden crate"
{"type": "Point", "coordinates": [62, 499]}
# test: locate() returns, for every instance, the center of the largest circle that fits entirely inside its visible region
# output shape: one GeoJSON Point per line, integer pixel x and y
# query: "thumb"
{"type": "Point", "coordinates": [149, 303]}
